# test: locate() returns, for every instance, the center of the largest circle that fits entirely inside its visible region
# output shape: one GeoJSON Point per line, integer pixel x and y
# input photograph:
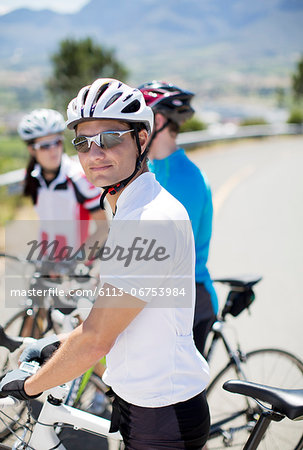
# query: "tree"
{"type": "Point", "coordinates": [79, 63]}
{"type": "Point", "coordinates": [297, 81]}
{"type": "Point", "coordinates": [295, 116]}
{"type": "Point", "coordinates": [280, 97]}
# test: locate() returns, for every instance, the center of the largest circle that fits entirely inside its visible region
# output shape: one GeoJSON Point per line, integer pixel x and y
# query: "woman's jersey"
{"type": "Point", "coordinates": [64, 205]}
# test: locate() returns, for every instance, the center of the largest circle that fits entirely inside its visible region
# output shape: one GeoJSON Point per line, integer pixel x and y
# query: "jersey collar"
{"type": "Point", "coordinates": [135, 195]}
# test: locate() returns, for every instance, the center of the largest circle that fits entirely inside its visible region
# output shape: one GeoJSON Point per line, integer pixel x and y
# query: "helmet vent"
{"type": "Point", "coordinates": [177, 102]}
{"type": "Point", "coordinates": [99, 93]}
{"type": "Point", "coordinates": [132, 107]}
{"type": "Point", "coordinates": [127, 97]}
{"type": "Point", "coordinates": [83, 102]}
{"type": "Point", "coordinates": [85, 96]}
{"type": "Point", "coordinates": [113, 99]}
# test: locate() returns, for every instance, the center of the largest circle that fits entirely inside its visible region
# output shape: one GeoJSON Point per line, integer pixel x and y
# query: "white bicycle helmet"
{"type": "Point", "coordinates": [108, 98]}
{"type": "Point", "coordinates": [39, 123]}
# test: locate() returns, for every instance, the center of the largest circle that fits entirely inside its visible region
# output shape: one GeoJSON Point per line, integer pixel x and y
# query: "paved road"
{"type": "Point", "coordinates": [258, 198]}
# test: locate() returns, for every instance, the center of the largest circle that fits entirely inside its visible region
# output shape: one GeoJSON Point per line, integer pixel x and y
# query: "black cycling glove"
{"type": "Point", "coordinates": [41, 350]}
{"type": "Point", "coordinates": [13, 384]}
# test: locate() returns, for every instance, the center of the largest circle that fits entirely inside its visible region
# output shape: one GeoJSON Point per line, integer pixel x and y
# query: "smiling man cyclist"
{"type": "Point", "coordinates": [153, 366]}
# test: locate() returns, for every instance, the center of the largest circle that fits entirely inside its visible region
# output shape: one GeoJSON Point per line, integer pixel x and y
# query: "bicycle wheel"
{"type": "Point", "coordinates": [237, 414]}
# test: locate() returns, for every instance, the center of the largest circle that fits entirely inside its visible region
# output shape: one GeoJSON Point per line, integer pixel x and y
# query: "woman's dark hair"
{"type": "Point", "coordinates": [31, 184]}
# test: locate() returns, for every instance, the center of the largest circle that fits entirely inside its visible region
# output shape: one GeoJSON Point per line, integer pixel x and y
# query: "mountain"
{"type": "Point", "coordinates": [216, 43]}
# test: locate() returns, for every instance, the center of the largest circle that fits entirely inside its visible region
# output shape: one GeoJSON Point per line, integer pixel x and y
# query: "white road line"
{"type": "Point", "coordinates": [232, 182]}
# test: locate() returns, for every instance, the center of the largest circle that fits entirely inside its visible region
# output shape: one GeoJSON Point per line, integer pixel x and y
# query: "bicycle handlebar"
{"type": "Point", "coordinates": [43, 267]}
{"type": "Point", "coordinates": [8, 402]}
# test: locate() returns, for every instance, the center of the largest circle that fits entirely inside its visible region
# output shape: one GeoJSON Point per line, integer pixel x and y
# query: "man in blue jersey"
{"type": "Point", "coordinates": [184, 180]}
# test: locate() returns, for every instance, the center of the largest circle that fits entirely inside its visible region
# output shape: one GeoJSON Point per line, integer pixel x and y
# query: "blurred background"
{"type": "Point", "coordinates": [243, 60]}
{"type": "Point", "coordinates": [238, 57]}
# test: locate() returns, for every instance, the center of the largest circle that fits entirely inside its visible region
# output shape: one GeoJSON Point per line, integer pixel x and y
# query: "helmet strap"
{"type": "Point", "coordinates": [156, 132]}
{"type": "Point", "coordinates": [114, 188]}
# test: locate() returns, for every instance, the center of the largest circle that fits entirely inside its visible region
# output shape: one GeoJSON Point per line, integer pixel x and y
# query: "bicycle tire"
{"type": "Point", "coordinates": [12, 265]}
{"type": "Point", "coordinates": [21, 324]}
{"type": "Point", "coordinates": [32, 323]}
{"type": "Point", "coordinates": [14, 327]}
{"type": "Point", "coordinates": [274, 367]}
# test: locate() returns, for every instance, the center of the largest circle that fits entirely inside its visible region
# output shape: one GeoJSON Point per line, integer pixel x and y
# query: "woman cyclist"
{"type": "Point", "coordinates": [63, 198]}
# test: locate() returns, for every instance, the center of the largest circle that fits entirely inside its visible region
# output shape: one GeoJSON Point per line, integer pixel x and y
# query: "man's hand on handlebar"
{"type": "Point", "coordinates": [41, 350]}
{"type": "Point", "coordinates": [13, 384]}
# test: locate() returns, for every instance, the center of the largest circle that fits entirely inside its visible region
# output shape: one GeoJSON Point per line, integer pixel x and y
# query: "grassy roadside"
{"type": "Point", "coordinates": [14, 156]}
{"type": "Point", "coordinates": [24, 211]}
{"type": "Point", "coordinates": [13, 153]}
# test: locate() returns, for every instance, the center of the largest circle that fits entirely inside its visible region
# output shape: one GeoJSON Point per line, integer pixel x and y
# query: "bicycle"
{"type": "Point", "coordinates": [42, 433]}
{"type": "Point", "coordinates": [233, 419]}
{"type": "Point", "coordinates": [231, 423]}
{"type": "Point", "coordinates": [284, 403]}
{"type": "Point", "coordinates": [39, 313]}
{"type": "Point", "coordinates": [41, 316]}
{"type": "Point", "coordinates": [54, 417]}
{"type": "Point", "coordinates": [56, 309]}
{"type": "Point", "coordinates": [81, 393]}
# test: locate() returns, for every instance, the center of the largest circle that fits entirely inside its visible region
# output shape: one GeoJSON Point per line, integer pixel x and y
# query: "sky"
{"type": "Point", "coordinates": [63, 6]}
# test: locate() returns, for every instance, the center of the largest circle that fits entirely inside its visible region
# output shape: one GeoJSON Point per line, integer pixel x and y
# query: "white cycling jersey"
{"type": "Point", "coordinates": [154, 361]}
{"type": "Point", "coordinates": [65, 204]}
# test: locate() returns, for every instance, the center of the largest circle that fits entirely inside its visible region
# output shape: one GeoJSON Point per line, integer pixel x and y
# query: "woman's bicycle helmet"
{"type": "Point", "coordinates": [39, 123]}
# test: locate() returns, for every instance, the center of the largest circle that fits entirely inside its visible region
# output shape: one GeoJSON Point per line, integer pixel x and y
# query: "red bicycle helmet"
{"type": "Point", "coordinates": [169, 100]}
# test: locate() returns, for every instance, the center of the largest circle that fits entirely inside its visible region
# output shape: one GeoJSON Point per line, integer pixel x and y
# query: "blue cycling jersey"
{"type": "Point", "coordinates": [184, 180]}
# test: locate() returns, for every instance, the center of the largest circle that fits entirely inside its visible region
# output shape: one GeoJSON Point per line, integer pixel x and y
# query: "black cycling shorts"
{"type": "Point", "coordinates": [184, 425]}
{"type": "Point", "coordinates": [204, 317]}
